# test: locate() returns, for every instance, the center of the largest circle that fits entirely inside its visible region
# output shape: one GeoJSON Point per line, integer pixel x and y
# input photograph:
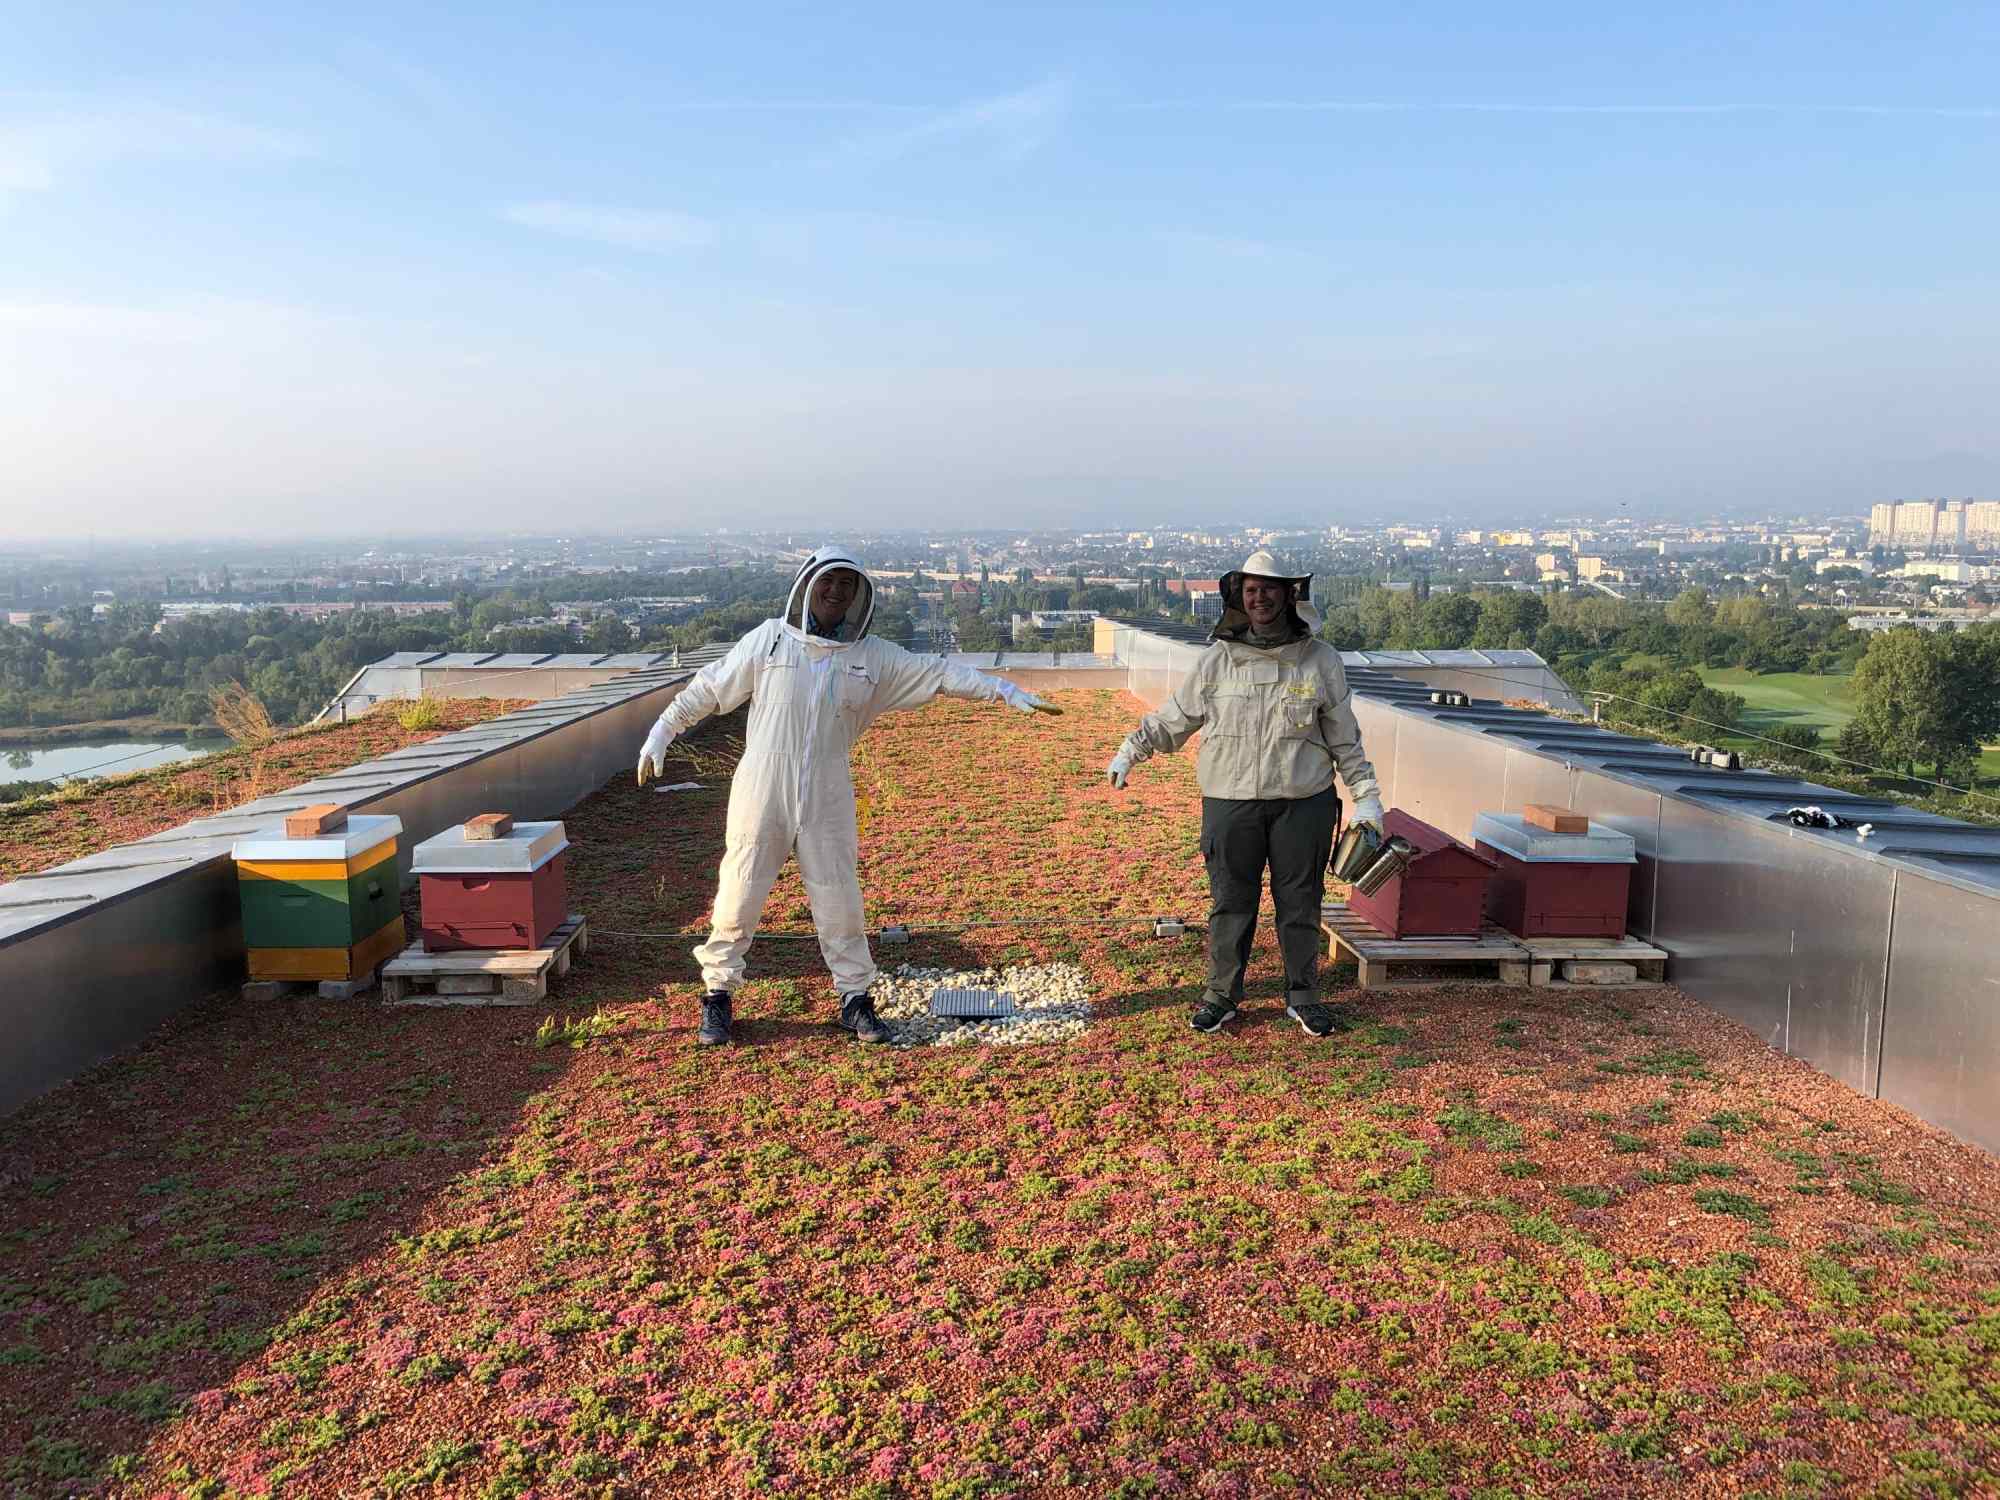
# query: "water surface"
{"type": "Point", "coordinates": [94, 758]}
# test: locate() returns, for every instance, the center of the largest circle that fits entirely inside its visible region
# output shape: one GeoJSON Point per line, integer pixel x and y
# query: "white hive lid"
{"type": "Point", "coordinates": [360, 832]}
{"type": "Point", "coordinates": [1522, 839]}
{"type": "Point", "coordinates": [526, 847]}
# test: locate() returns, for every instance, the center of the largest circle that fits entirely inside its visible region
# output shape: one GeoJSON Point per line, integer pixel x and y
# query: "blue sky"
{"type": "Point", "coordinates": [306, 268]}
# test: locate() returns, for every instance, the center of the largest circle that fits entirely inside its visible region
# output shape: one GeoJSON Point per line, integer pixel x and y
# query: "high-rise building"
{"type": "Point", "coordinates": [1950, 533]}
{"type": "Point", "coordinates": [1916, 524]}
{"type": "Point", "coordinates": [1935, 525]}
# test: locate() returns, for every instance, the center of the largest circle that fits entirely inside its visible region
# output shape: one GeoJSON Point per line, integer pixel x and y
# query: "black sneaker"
{"type": "Point", "coordinates": [715, 1009]}
{"type": "Point", "coordinates": [1212, 1014]}
{"type": "Point", "coordinates": [1316, 1019]}
{"type": "Point", "coordinates": [857, 1014]}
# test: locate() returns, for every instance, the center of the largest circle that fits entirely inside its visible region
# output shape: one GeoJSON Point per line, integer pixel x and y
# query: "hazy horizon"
{"type": "Point", "coordinates": [279, 272]}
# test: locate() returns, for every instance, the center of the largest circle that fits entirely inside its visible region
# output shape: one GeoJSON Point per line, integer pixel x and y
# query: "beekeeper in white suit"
{"type": "Point", "coordinates": [815, 680]}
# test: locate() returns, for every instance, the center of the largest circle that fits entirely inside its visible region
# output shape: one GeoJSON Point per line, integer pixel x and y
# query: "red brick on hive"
{"type": "Point", "coordinates": [480, 891]}
{"type": "Point", "coordinates": [1556, 884]}
{"type": "Point", "coordinates": [1441, 894]}
{"type": "Point", "coordinates": [311, 822]}
{"type": "Point", "coordinates": [1555, 819]}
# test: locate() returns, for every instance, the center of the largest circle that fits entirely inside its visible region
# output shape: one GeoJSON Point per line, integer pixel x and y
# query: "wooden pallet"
{"type": "Point", "coordinates": [1544, 953]}
{"type": "Point", "coordinates": [1385, 960]}
{"type": "Point", "coordinates": [483, 976]}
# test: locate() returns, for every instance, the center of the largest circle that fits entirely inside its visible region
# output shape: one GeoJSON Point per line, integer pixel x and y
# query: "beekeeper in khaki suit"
{"type": "Point", "coordinates": [1271, 701]}
{"type": "Point", "coordinates": [814, 679]}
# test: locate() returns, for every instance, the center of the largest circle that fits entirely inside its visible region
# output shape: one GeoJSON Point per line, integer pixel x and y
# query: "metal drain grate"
{"type": "Point", "coordinates": [972, 1005]}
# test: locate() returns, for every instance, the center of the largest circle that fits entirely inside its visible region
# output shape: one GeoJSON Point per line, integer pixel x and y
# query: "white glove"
{"type": "Point", "coordinates": [1118, 770]}
{"type": "Point", "coordinates": [1368, 809]}
{"type": "Point", "coordinates": [1015, 696]}
{"type": "Point", "coordinates": [653, 754]}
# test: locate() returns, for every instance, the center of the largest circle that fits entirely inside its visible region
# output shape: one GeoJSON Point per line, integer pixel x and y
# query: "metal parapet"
{"type": "Point", "coordinates": [86, 973]}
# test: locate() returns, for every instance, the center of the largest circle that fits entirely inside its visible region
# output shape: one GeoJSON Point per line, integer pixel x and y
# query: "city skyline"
{"type": "Point", "coordinates": [270, 273]}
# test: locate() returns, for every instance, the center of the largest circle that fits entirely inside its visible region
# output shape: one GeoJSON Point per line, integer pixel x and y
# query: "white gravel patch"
{"type": "Point", "coordinates": [1051, 1001]}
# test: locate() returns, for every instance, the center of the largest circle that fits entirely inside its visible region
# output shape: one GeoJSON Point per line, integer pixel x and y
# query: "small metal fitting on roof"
{"type": "Point", "coordinates": [894, 935]}
{"type": "Point", "coordinates": [972, 1005]}
{"type": "Point", "coordinates": [1168, 927]}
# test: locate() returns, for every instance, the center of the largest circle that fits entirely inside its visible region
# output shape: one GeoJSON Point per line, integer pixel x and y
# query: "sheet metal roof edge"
{"type": "Point", "coordinates": [110, 886]}
{"type": "Point", "coordinates": [53, 915]}
{"type": "Point", "coordinates": [1799, 792]}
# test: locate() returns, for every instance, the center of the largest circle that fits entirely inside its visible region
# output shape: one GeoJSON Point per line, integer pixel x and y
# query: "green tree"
{"type": "Point", "coordinates": [1446, 622]}
{"type": "Point", "coordinates": [1509, 621]}
{"type": "Point", "coordinates": [1342, 629]}
{"type": "Point", "coordinates": [1902, 699]}
{"type": "Point", "coordinates": [1854, 744]}
{"type": "Point", "coordinates": [1740, 612]}
{"type": "Point", "coordinates": [608, 633]}
{"type": "Point", "coordinates": [1689, 704]}
{"type": "Point", "coordinates": [1691, 607]}
{"type": "Point", "coordinates": [1797, 744]}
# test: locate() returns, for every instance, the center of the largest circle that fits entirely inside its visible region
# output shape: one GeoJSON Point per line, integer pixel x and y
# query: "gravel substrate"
{"type": "Point", "coordinates": [1051, 1001]}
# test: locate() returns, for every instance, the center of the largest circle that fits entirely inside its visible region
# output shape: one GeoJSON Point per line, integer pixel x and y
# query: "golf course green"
{"type": "Point", "coordinates": [1778, 698]}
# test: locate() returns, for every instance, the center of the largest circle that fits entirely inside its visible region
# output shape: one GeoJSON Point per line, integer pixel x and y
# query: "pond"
{"type": "Point", "coordinates": [95, 758]}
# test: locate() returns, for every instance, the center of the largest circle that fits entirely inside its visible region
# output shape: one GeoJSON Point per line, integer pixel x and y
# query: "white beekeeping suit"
{"type": "Point", "coordinates": [811, 694]}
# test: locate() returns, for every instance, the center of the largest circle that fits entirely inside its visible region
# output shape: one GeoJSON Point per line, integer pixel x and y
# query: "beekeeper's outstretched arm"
{"type": "Point", "coordinates": [911, 681]}
{"type": "Point", "coordinates": [1166, 728]}
{"type": "Point", "coordinates": [717, 688]}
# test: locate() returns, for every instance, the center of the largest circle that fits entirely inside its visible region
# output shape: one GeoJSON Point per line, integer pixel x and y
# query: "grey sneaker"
{"type": "Point", "coordinates": [1212, 1014]}
{"type": "Point", "coordinates": [857, 1014]}
{"type": "Point", "coordinates": [715, 1016]}
{"type": "Point", "coordinates": [1316, 1019]}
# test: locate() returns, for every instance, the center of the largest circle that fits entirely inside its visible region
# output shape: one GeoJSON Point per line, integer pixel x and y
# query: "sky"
{"type": "Point", "coordinates": [286, 269]}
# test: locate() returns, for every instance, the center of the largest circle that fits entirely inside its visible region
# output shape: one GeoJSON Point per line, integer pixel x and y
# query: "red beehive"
{"type": "Point", "coordinates": [1557, 884]}
{"type": "Point", "coordinates": [482, 891]}
{"type": "Point", "coordinates": [1441, 894]}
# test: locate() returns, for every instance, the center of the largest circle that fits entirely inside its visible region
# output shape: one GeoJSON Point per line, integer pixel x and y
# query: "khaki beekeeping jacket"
{"type": "Point", "coordinates": [1274, 721]}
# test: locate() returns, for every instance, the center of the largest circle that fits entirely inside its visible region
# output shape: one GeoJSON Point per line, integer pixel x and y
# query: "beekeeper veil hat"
{"type": "Point", "coordinates": [1261, 564]}
{"type": "Point", "coordinates": [854, 625]}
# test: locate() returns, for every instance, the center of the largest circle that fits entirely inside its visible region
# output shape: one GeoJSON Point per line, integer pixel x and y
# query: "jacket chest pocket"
{"type": "Point", "coordinates": [853, 688]}
{"type": "Point", "coordinates": [1240, 703]}
{"type": "Point", "coordinates": [777, 681]}
{"type": "Point", "coordinates": [1299, 703]}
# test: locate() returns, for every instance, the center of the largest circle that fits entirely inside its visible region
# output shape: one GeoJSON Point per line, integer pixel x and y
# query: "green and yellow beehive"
{"type": "Point", "coordinates": [320, 895]}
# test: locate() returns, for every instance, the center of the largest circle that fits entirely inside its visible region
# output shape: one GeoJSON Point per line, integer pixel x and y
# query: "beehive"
{"type": "Point", "coordinates": [321, 906]}
{"type": "Point", "coordinates": [1442, 893]}
{"type": "Point", "coordinates": [481, 891]}
{"type": "Point", "coordinates": [1556, 884]}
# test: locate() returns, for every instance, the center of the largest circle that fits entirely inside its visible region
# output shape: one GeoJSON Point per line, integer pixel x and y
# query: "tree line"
{"type": "Point", "coordinates": [132, 662]}
{"type": "Point", "coordinates": [1922, 699]}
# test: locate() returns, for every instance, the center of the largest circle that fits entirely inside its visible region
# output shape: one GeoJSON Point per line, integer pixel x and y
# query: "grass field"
{"type": "Point", "coordinates": [1822, 703]}
{"type": "Point", "coordinates": [1779, 698]}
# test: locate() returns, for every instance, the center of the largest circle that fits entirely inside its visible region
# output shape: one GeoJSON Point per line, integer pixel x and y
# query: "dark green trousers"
{"type": "Point", "coordinates": [1239, 839]}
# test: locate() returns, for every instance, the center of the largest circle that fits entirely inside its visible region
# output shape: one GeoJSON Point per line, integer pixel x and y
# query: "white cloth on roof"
{"type": "Point", "coordinates": [810, 699]}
